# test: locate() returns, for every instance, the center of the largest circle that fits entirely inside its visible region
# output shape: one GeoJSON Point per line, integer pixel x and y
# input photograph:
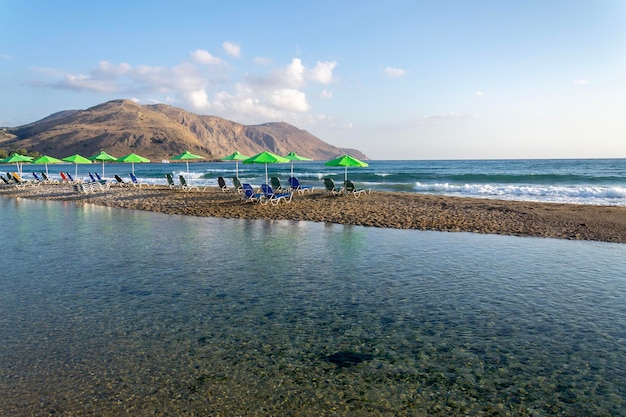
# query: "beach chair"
{"type": "Point", "coordinates": [249, 195]}
{"type": "Point", "coordinates": [330, 187]}
{"type": "Point", "coordinates": [351, 189]}
{"type": "Point", "coordinates": [170, 181]}
{"type": "Point", "coordinates": [46, 179]}
{"type": "Point", "coordinates": [134, 181]}
{"type": "Point", "coordinates": [120, 181]}
{"type": "Point", "coordinates": [237, 185]}
{"type": "Point", "coordinates": [275, 183]}
{"type": "Point", "coordinates": [185, 186]}
{"type": "Point", "coordinates": [71, 179]}
{"type": "Point", "coordinates": [295, 185]}
{"type": "Point", "coordinates": [4, 180]}
{"type": "Point", "coordinates": [63, 177]}
{"type": "Point", "coordinates": [271, 196]}
{"type": "Point", "coordinates": [221, 183]}
{"type": "Point", "coordinates": [17, 180]}
{"type": "Point", "coordinates": [37, 179]}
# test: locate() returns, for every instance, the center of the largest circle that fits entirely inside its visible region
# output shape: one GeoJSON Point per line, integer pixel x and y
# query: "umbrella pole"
{"type": "Point", "coordinates": [76, 172]}
{"type": "Point", "coordinates": [188, 177]}
{"type": "Point", "coordinates": [237, 169]}
{"type": "Point", "coordinates": [102, 169]}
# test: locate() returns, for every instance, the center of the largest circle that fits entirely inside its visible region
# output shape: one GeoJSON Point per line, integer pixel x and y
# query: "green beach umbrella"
{"type": "Point", "coordinates": [102, 157]}
{"type": "Point", "coordinates": [18, 160]}
{"type": "Point", "coordinates": [266, 158]}
{"type": "Point", "coordinates": [77, 159]}
{"type": "Point", "coordinates": [345, 161]}
{"type": "Point", "coordinates": [292, 156]}
{"type": "Point", "coordinates": [132, 158]}
{"type": "Point", "coordinates": [235, 156]}
{"type": "Point", "coordinates": [186, 156]}
{"type": "Point", "coordinates": [45, 159]}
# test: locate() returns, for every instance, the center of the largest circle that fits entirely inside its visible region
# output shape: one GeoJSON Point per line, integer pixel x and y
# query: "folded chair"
{"type": "Point", "coordinates": [351, 189]}
{"type": "Point", "coordinates": [330, 187]}
{"type": "Point", "coordinates": [296, 186]}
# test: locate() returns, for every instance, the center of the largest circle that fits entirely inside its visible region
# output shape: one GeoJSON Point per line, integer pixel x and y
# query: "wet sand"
{"type": "Point", "coordinates": [378, 209]}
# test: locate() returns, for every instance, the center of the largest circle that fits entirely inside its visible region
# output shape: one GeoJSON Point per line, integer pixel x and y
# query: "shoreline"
{"type": "Point", "coordinates": [382, 209]}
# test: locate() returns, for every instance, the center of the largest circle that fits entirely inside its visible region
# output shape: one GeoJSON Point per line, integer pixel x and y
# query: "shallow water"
{"type": "Point", "coordinates": [108, 312]}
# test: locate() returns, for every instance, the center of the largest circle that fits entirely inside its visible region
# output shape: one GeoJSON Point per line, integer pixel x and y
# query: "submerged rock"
{"type": "Point", "coordinates": [345, 359]}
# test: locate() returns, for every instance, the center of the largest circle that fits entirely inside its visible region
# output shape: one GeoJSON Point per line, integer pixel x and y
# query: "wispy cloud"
{"type": "Point", "coordinates": [581, 82]}
{"type": "Point", "coordinates": [442, 117]}
{"type": "Point", "coordinates": [479, 93]}
{"type": "Point", "coordinates": [395, 72]}
{"type": "Point", "coordinates": [6, 56]}
{"type": "Point", "coordinates": [232, 49]}
{"type": "Point", "coordinates": [205, 83]}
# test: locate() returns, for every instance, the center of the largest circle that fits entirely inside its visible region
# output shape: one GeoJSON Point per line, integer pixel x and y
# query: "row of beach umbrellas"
{"type": "Point", "coordinates": [265, 158]}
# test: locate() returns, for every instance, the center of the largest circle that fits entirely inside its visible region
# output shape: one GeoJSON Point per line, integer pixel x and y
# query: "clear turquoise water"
{"type": "Point", "coordinates": [110, 312]}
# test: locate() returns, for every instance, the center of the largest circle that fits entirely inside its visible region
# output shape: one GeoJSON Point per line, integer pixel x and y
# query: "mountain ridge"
{"type": "Point", "coordinates": [160, 131]}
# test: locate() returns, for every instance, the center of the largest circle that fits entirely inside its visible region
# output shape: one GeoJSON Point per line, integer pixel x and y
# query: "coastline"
{"type": "Point", "coordinates": [379, 209]}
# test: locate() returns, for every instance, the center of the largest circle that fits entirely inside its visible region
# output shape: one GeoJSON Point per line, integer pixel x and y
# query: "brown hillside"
{"type": "Point", "coordinates": [160, 132]}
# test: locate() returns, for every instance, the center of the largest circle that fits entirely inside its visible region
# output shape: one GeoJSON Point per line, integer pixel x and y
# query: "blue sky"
{"type": "Point", "coordinates": [395, 79]}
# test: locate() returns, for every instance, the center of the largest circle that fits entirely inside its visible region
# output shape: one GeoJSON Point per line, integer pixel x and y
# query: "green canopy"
{"type": "Point", "coordinates": [77, 159]}
{"type": "Point", "coordinates": [235, 156]}
{"type": "Point", "coordinates": [186, 156]}
{"type": "Point", "coordinates": [17, 159]}
{"type": "Point", "coordinates": [132, 158]}
{"type": "Point", "coordinates": [45, 159]}
{"type": "Point", "coordinates": [265, 158]}
{"type": "Point", "coordinates": [346, 161]}
{"type": "Point", "coordinates": [292, 156]}
{"type": "Point", "coordinates": [103, 157]}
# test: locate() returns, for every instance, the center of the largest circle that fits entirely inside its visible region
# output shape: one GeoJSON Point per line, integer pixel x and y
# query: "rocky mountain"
{"type": "Point", "coordinates": [160, 132]}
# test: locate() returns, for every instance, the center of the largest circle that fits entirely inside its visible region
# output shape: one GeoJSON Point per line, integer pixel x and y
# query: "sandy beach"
{"type": "Point", "coordinates": [378, 209]}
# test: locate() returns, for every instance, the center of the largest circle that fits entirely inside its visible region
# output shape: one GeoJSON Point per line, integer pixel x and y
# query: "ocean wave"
{"type": "Point", "coordinates": [583, 194]}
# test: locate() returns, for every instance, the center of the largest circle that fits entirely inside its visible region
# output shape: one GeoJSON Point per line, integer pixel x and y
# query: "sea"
{"type": "Point", "coordinates": [108, 312]}
{"type": "Point", "coordinates": [577, 181]}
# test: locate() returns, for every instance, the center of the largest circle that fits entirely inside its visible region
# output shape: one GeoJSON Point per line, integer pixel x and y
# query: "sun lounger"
{"type": "Point", "coordinates": [18, 181]}
{"type": "Point", "coordinates": [4, 180]}
{"type": "Point", "coordinates": [295, 185]}
{"type": "Point", "coordinates": [249, 195]}
{"type": "Point", "coordinates": [351, 189]}
{"type": "Point", "coordinates": [275, 183]}
{"type": "Point", "coordinates": [221, 183]}
{"type": "Point", "coordinates": [330, 187]}
{"type": "Point", "coordinates": [270, 196]}
{"type": "Point", "coordinates": [135, 182]}
{"type": "Point", "coordinates": [120, 181]}
{"type": "Point", "coordinates": [185, 186]}
{"type": "Point", "coordinates": [237, 184]}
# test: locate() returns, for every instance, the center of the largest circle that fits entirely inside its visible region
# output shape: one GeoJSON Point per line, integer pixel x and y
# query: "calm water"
{"type": "Point", "coordinates": [579, 181]}
{"type": "Point", "coordinates": [114, 312]}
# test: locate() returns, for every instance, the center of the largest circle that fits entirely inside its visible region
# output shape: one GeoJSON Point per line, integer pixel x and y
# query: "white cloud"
{"type": "Point", "coordinates": [289, 99]}
{"type": "Point", "coordinates": [6, 56]}
{"type": "Point", "coordinates": [395, 72]}
{"type": "Point", "coordinates": [263, 61]}
{"type": "Point", "coordinates": [204, 57]}
{"type": "Point", "coordinates": [232, 49]}
{"type": "Point", "coordinates": [442, 117]}
{"type": "Point", "coordinates": [479, 93]}
{"type": "Point", "coordinates": [325, 94]}
{"type": "Point", "coordinates": [581, 82]}
{"type": "Point", "coordinates": [275, 93]}
{"type": "Point", "coordinates": [322, 72]}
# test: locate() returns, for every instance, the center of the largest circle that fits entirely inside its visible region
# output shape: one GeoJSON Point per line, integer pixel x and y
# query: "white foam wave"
{"type": "Point", "coordinates": [563, 194]}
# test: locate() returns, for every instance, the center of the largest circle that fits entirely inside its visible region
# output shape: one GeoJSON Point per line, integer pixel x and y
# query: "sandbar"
{"type": "Point", "coordinates": [398, 210]}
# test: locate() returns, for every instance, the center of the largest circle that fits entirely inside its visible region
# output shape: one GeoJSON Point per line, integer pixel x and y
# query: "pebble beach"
{"type": "Point", "coordinates": [396, 210]}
